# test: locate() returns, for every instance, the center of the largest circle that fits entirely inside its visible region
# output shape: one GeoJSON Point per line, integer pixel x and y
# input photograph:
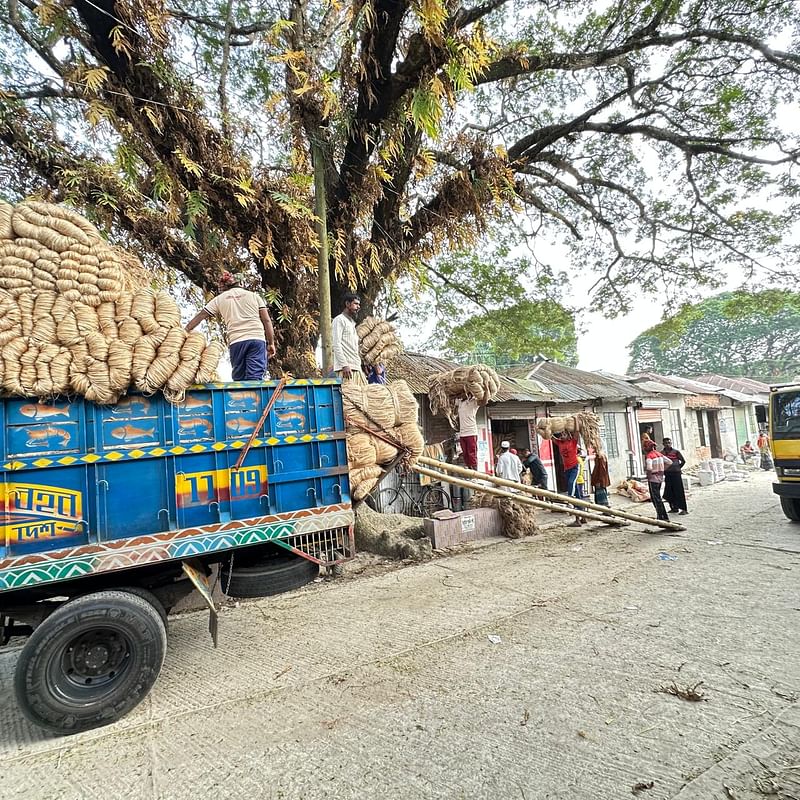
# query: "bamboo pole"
{"type": "Point", "coordinates": [323, 268]}
{"type": "Point", "coordinates": [518, 498]}
{"type": "Point", "coordinates": [605, 510]}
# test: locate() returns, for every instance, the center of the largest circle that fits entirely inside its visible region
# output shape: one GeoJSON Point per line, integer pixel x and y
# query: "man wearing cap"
{"type": "Point", "coordinates": [508, 464]}
{"type": "Point", "coordinates": [251, 338]}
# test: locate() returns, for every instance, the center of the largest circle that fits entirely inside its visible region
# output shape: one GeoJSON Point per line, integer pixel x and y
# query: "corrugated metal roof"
{"type": "Point", "coordinates": [690, 386]}
{"type": "Point", "coordinates": [742, 386]}
{"type": "Point", "coordinates": [645, 385]}
{"type": "Point", "coordinates": [416, 369]}
{"type": "Point", "coordinates": [570, 385]}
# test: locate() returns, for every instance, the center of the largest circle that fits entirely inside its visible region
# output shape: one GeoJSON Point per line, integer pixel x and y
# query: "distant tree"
{"type": "Point", "coordinates": [490, 307]}
{"type": "Point", "coordinates": [511, 335]}
{"type": "Point", "coordinates": [754, 334]}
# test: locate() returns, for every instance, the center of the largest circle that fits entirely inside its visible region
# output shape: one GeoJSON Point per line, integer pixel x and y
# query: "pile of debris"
{"type": "Point", "coordinates": [77, 318]}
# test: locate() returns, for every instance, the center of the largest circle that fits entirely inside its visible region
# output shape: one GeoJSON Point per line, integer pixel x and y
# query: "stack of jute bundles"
{"type": "Point", "coordinates": [377, 416]}
{"type": "Point", "coordinates": [378, 341]}
{"type": "Point", "coordinates": [586, 422]}
{"type": "Point", "coordinates": [76, 317]}
{"type": "Point", "coordinates": [478, 382]}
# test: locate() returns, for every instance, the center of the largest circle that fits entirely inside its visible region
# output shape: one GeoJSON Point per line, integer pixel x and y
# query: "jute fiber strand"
{"type": "Point", "coordinates": [378, 415]}
{"type": "Point", "coordinates": [77, 315]}
{"type": "Point", "coordinates": [378, 341]}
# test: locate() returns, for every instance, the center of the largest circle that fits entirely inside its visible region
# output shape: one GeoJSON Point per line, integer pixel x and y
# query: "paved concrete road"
{"type": "Point", "coordinates": [389, 687]}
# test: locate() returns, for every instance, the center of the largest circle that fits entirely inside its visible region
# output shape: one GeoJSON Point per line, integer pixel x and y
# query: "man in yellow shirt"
{"type": "Point", "coordinates": [251, 338]}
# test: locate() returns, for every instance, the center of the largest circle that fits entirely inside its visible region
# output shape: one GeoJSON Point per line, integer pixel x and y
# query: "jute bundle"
{"type": "Point", "coordinates": [207, 371]}
{"type": "Point", "coordinates": [518, 520]}
{"type": "Point", "coordinates": [377, 416]}
{"type": "Point", "coordinates": [77, 316]}
{"type": "Point", "coordinates": [361, 451]}
{"type": "Point", "coordinates": [585, 422]}
{"type": "Point", "coordinates": [478, 382]}
{"type": "Point", "coordinates": [378, 341]}
{"type": "Point", "coordinates": [362, 481]}
{"type": "Point", "coordinates": [6, 210]}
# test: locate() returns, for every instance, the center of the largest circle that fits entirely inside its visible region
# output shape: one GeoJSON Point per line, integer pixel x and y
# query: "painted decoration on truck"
{"type": "Point", "coordinates": [243, 401]}
{"type": "Point", "coordinates": [196, 418]}
{"type": "Point", "coordinates": [34, 514]}
{"type": "Point", "coordinates": [289, 421]}
{"type": "Point", "coordinates": [201, 488]}
{"type": "Point", "coordinates": [39, 568]}
{"type": "Point", "coordinates": [45, 411]}
{"type": "Point", "coordinates": [133, 406]}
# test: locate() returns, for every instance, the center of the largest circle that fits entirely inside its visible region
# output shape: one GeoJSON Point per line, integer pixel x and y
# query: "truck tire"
{"type": "Point", "coordinates": [150, 598]}
{"type": "Point", "coordinates": [791, 508]}
{"type": "Point", "coordinates": [91, 661]}
{"type": "Point", "coordinates": [273, 575]}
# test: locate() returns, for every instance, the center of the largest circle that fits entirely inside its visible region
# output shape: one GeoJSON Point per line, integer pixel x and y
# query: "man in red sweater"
{"type": "Point", "coordinates": [567, 444]}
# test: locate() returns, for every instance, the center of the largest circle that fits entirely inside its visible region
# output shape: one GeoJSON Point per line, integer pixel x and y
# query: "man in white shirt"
{"type": "Point", "coordinates": [508, 464]}
{"type": "Point", "coordinates": [468, 431]}
{"type": "Point", "coordinates": [251, 338]}
{"type": "Point", "coordinates": [346, 357]}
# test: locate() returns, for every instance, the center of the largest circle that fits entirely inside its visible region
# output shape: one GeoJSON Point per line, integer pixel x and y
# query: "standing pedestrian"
{"type": "Point", "coordinates": [508, 464]}
{"type": "Point", "coordinates": [580, 481]}
{"type": "Point", "coordinates": [567, 444]}
{"type": "Point", "coordinates": [251, 338]}
{"type": "Point", "coordinates": [346, 358]}
{"type": "Point", "coordinates": [655, 464]}
{"type": "Point", "coordinates": [468, 430]}
{"type": "Point", "coordinates": [674, 494]}
{"type": "Point", "coordinates": [763, 446]}
{"type": "Point", "coordinates": [532, 462]}
{"type": "Point", "coordinates": [601, 480]}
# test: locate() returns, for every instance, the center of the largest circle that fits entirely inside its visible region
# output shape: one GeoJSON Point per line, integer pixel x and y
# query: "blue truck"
{"type": "Point", "coordinates": [111, 514]}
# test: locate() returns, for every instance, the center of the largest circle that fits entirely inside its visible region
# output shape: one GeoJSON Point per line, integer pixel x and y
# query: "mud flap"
{"type": "Point", "coordinates": [195, 571]}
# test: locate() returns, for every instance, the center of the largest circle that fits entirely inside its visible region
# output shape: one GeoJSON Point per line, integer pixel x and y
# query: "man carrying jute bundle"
{"type": "Point", "coordinates": [346, 356]}
{"type": "Point", "coordinates": [251, 338]}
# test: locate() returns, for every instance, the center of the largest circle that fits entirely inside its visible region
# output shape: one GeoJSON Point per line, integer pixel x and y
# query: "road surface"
{"type": "Point", "coordinates": [529, 669]}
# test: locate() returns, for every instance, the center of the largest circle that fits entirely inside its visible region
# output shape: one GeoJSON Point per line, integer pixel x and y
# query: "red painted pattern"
{"type": "Point", "coordinates": [167, 536]}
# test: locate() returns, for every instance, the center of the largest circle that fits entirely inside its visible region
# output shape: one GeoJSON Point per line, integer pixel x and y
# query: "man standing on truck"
{"type": "Point", "coordinates": [346, 357]}
{"type": "Point", "coordinates": [251, 338]}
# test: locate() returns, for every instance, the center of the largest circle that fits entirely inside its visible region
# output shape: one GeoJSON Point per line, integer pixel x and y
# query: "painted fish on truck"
{"type": "Point", "coordinates": [78, 478]}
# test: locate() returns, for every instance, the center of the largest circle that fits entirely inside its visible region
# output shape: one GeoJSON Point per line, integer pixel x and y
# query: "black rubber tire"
{"type": "Point", "coordinates": [275, 575]}
{"type": "Point", "coordinates": [434, 499]}
{"type": "Point", "coordinates": [389, 497]}
{"type": "Point", "coordinates": [150, 598]}
{"type": "Point", "coordinates": [62, 700]}
{"type": "Point", "coordinates": [791, 508]}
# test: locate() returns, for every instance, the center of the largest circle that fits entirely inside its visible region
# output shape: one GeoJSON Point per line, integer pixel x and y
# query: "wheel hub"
{"type": "Point", "coordinates": [95, 657]}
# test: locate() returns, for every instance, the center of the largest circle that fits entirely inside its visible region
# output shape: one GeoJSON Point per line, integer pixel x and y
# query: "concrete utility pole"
{"type": "Point", "coordinates": [323, 271]}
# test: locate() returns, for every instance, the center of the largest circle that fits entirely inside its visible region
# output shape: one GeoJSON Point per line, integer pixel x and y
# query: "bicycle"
{"type": "Point", "coordinates": [399, 500]}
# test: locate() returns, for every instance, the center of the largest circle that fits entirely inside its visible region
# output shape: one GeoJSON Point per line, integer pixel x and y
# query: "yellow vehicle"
{"type": "Point", "coordinates": [784, 430]}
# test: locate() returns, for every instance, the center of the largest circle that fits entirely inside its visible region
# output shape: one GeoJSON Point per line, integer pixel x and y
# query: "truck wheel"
{"type": "Point", "coordinates": [791, 507]}
{"type": "Point", "coordinates": [273, 575]}
{"type": "Point", "coordinates": [91, 661]}
{"type": "Point", "coordinates": [150, 598]}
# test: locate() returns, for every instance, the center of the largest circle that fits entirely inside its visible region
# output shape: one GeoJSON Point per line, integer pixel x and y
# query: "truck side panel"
{"type": "Point", "coordinates": [144, 474]}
